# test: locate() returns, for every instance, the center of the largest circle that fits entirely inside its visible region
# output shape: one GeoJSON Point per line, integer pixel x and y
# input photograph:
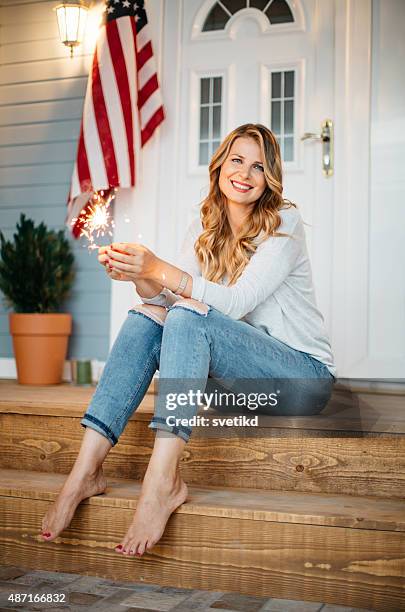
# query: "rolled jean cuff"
{"type": "Point", "coordinates": [159, 423]}
{"type": "Point", "coordinates": [90, 421]}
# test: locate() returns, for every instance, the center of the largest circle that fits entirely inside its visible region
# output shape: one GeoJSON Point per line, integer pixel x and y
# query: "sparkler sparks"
{"type": "Point", "coordinates": [96, 219]}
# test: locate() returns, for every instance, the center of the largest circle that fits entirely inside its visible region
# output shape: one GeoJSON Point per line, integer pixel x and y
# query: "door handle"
{"type": "Point", "coordinates": [311, 136]}
{"type": "Point", "coordinates": [327, 138]}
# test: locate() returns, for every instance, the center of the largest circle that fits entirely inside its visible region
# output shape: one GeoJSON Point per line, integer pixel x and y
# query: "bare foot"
{"type": "Point", "coordinates": [61, 512]}
{"type": "Point", "coordinates": [160, 496]}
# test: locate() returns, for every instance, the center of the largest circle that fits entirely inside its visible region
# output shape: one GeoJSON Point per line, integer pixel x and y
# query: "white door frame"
{"type": "Point", "coordinates": [352, 189]}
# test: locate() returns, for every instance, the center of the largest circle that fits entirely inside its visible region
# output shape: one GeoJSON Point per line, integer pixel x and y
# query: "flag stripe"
{"type": "Point", "coordinates": [150, 107]}
{"type": "Point", "coordinates": [143, 36]}
{"type": "Point", "coordinates": [82, 164]}
{"type": "Point", "coordinates": [149, 100]}
{"type": "Point", "coordinates": [121, 76]}
{"type": "Point", "coordinates": [92, 142]}
{"type": "Point", "coordinates": [103, 125]}
{"type": "Point", "coordinates": [128, 46]}
{"type": "Point", "coordinates": [144, 55]}
{"type": "Point", "coordinates": [146, 72]}
{"type": "Point", "coordinates": [114, 109]}
{"type": "Point", "coordinates": [152, 124]}
{"type": "Point", "coordinates": [147, 90]}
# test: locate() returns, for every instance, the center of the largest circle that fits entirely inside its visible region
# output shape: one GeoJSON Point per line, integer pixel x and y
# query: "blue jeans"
{"type": "Point", "coordinates": [192, 347]}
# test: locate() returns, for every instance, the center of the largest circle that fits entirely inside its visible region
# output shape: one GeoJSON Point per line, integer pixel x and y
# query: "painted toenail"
{"type": "Point", "coordinates": [119, 546]}
{"type": "Point", "coordinates": [46, 534]}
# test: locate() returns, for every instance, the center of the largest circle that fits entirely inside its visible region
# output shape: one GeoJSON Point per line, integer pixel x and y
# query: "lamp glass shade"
{"type": "Point", "coordinates": [71, 23]}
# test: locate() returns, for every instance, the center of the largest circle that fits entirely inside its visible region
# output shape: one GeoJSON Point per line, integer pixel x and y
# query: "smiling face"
{"type": "Point", "coordinates": [241, 178]}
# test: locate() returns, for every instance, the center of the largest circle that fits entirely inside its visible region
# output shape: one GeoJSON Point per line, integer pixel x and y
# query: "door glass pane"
{"type": "Point", "coordinates": [289, 117]}
{"type": "Point", "coordinates": [203, 157]}
{"type": "Point", "coordinates": [289, 84]}
{"type": "Point", "coordinates": [210, 117]}
{"type": "Point", "coordinates": [276, 117]}
{"type": "Point", "coordinates": [204, 122]}
{"type": "Point", "coordinates": [217, 89]}
{"type": "Point", "coordinates": [276, 85]}
{"type": "Point", "coordinates": [259, 4]}
{"type": "Point", "coordinates": [279, 12]}
{"type": "Point", "coordinates": [282, 111]}
{"type": "Point", "coordinates": [205, 91]}
{"type": "Point", "coordinates": [216, 122]}
{"type": "Point", "coordinates": [234, 6]}
{"type": "Point", "coordinates": [216, 19]}
{"type": "Point", "coordinates": [288, 148]}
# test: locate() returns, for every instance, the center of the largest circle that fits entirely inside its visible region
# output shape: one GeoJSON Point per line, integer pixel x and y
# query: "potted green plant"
{"type": "Point", "coordinates": [36, 274]}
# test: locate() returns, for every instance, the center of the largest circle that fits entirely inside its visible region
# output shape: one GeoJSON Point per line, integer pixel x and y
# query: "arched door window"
{"type": "Point", "coordinates": [276, 11]}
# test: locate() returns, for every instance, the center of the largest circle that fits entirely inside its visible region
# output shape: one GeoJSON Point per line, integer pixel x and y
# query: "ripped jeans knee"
{"type": "Point", "coordinates": [193, 305]}
{"type": "Point", "coordinates": [151, 311]}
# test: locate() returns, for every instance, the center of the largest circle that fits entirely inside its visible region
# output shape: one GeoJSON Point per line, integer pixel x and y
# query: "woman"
{"type": "Point", "coordinates": [240, 306]}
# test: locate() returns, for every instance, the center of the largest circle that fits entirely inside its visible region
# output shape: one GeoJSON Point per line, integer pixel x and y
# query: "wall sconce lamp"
{"type": "Point", "coordinates": [71, 18]}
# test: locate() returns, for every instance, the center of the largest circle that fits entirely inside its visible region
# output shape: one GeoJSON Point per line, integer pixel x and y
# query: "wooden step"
{"type": "Point", "coordinates": [338, 549]}
{"type": "Point", "coordinates": [362, 454]}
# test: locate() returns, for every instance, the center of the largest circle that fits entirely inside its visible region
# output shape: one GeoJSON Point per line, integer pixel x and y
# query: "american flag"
{"type": "Point", "coordinates": [122, 96]}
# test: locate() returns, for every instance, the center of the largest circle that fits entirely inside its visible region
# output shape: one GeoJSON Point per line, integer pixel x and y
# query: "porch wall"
{"type": "Point", "coordinates": [41, 99]}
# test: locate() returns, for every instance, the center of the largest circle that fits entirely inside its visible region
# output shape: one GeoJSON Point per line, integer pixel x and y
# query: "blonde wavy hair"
{"type": "Point", "coordinates": [217, 250]}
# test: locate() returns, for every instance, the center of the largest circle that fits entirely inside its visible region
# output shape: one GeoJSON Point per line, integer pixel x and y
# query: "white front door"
{"type": "Point", "coordinates": [289, 65]}
{"type": "Point", "coordinates": [270, 63]}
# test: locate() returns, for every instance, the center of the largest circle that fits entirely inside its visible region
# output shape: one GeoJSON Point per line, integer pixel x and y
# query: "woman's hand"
{"type": "Point", "coordinates": [104, 260]}
{"type": "Point", "coordinates": [136, 263]}
{"type": "Point", "coordinates": [133, 261]}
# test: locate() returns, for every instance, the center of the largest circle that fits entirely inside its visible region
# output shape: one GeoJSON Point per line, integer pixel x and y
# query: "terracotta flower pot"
{"type": "Point", "coordinates": [40, 345]}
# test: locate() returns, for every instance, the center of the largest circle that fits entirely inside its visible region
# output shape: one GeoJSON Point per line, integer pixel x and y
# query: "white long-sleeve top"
{"type": "Point", "coordinates": [274, 293]}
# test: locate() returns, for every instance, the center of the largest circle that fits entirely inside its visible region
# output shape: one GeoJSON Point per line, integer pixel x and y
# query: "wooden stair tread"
{"type": "Point", "coordinates": [359, 512]}
{"type": "Point", "coordinates": [57, 400]}
{"type": "Point", "coordinates": [347, 411]}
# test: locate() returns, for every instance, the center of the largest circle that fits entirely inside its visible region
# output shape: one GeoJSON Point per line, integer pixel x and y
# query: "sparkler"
{"type": "Point", "coordinates": [96, 220]}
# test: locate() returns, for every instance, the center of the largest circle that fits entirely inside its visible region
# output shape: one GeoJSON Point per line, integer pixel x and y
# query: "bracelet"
{"type": "Point", "coordinates": [182, 284]}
